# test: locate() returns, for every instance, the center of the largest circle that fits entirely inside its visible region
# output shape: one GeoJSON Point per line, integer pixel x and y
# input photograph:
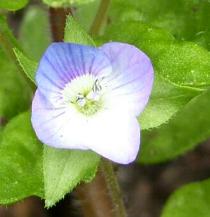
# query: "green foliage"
{"type": "Point", "coordinates": [34, 34]}
{"type": "Point", "coordinates": [65, 3]}
{"type": "Point", "coordinates": [86, 13]}
{"type": "Point", "coordinates": [7, 40]}
{"type": "Point", "coordinates": [186, 20]}
{"type": "Point", "coordinates": [178, 77]}
{"type": "Point", "coordinates": [192, 200]}
{"type": "Point", "coordinates": [166, 99]}
{"type": "Point", "coordinates": [20, 161]}
{"type": "Point", "coordinates": [13, 5]}
{"type": "Point", "coordinates": [15, 95]}
{"type": "Point", "coordinates": [189, 127]}
{"type": "Point", "coordinates": [29, 66]}
{"type": "Point", "coordinates": [74, 33]}
{"type": "Point", "coordinates": [64, 169]}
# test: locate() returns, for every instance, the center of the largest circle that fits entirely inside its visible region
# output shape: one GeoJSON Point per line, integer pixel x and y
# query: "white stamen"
{"type": "Point", "coordinates": [81, 102]}
{"type": "Point", "coordinates": [93, 96]}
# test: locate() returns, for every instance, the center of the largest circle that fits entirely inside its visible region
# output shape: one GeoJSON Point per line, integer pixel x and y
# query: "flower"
{"type": "Point", "coordinates": [89, 98]}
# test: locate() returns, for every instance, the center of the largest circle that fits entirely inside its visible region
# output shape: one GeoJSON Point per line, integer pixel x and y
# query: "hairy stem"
{"type": "Point", "coordinates": [102, 197]}
{"type": "Point", "coordinates": [100, 18]}
{"type": "Point", "coordinates": [113, 188]}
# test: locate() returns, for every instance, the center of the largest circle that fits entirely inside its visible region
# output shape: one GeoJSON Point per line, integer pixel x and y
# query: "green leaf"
{"type": "Point", "coordinates": [191, 200]}
{"type": "Point", "coordinates": [74, 33]}
{"type": "Point", "coordinates": [86, 13]}
{"type": "Point", "coordinates": [182, 70]}
{"type": "Point", "coordinates": [185, 64]}
{"type": "Point", "coordinates": [165, 101]}
{"type": "Point", "coordinates": [189, 127]}
{"type": "Point", "coordinates": [7, 40]}
{"type": "Point", "coordinates": [186, 20]}
{"type": "Point", "coordinates": [20, 161]}
{"type": "Point", "coordinates": [64, 170]}
{"type": "Point", "coordinates": [15, 95]}
{"type": "Point", "coordinates": [34, 34]}
{"type": "Point", "coordinates": [64, 3]}
{"type": "Point", "coordinates": [13, 5]}
{"type": "Point", "coordinates": [29, 66]}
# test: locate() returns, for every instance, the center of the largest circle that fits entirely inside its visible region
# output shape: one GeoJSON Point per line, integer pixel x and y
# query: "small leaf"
{"type": "Point", "coordinates": [74, 33]}
{"type": "Point", "coordinates": [7, 40]}
{"type": "Point", "coordinates": [13, 5]}
{"type": "Point", "coordinates": [20, 161]}
{"type": "Point", "coordinates": [29, 66]}
{"type": "Point", "coordinates": [64, 169]}
{"type": "Point", "coordinates": [15, 95]}
{"type": "Point", "coordinates": [165, 101]}
{"type": "Point", "coordinates": [64, 3]}
{"type": "Point", "coordinates": [34, 34]}
{"type": "Point", "coordinates": [188, 128]}
{"type": "Point", "coordinates": [191, 200]}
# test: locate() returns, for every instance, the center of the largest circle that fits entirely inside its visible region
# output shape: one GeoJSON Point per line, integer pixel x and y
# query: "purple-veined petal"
{"type": "Point", "coordinates": [124, 78]}
{"type": "Point", "coordinates": [63, 62]}
{"type": "Point", "coordinates": [114, 135]}
{"type": "Point", "coordinates": [131, 81]}
{"type": "Point", "coordinates": [110, 133]}
{"type": "Point", "coordinates": [58, 127]}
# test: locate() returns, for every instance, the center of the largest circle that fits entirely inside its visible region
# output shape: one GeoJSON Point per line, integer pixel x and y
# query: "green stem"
{"type": "Point", "coordinates": [113, 188]}
{"type": "Point", "coordinates": [100, 18]}
{"type": "Point", "coordinates": [102, 196]}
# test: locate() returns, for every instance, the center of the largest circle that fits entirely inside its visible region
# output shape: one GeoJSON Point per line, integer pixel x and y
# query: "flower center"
{"type": "Point", "coordinates": [85, 94]}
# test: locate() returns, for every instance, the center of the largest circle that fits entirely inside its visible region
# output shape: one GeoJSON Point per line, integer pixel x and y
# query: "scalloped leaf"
{"type": "Point", "coordinates": [64, 170]}
{"type": "Point", "coordinates": [20, 161]}
{"type": "Point", "coordinates": [74, 33]}
{"type": "Point", "coordinates": [29, 66]}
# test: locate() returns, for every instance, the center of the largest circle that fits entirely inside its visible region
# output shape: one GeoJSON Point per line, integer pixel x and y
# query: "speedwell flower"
{"type": "Point", "coordinates": [89, 98]}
